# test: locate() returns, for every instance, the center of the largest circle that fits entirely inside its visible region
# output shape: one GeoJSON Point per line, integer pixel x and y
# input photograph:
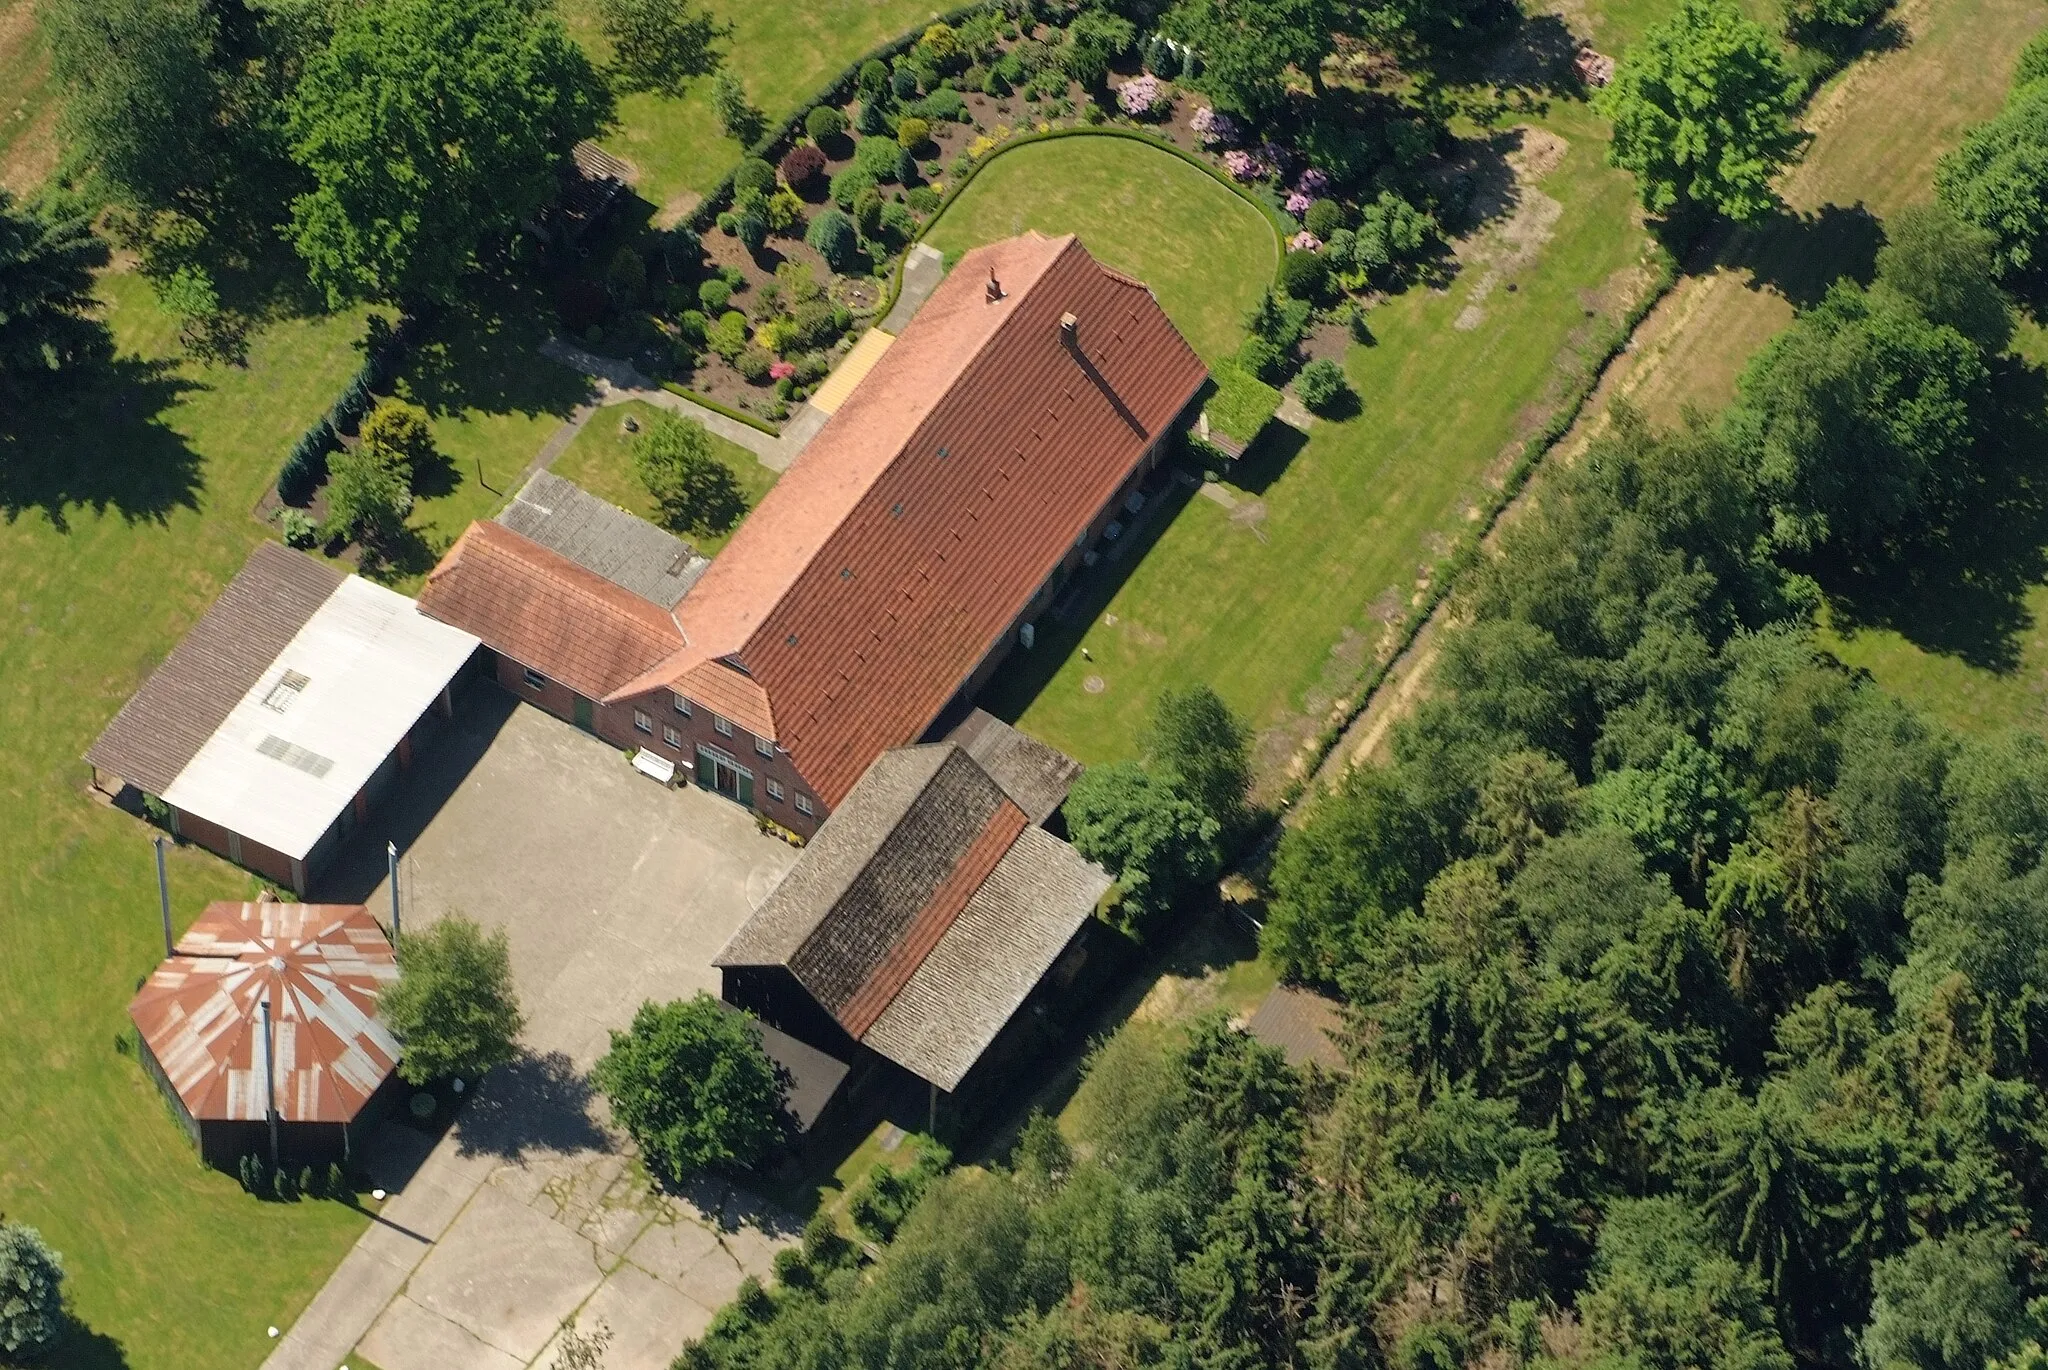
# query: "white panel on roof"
{"type": "Point", "coordinates": [355, 679]}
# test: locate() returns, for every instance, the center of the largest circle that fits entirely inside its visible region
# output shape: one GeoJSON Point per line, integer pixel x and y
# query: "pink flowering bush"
{"type": "Point", "coordinates": [1304, 241]}
{"type": "Point", "coordinates": [1245, 166]}
{"type": "Point", "coordinates": [1214, 126]}
{"type": "Point", "coordinates": [784, 370]}
{"type": "Point", "coordinates": [1298, 203]}
{"type": "Point", "coordinates": [1312, 183]}
{"type": "Point", "coordinates": [1141, 95]}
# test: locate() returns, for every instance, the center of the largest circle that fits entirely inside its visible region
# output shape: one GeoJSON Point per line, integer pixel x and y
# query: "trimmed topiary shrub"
{"type": "Point", "coordinates": [1304, 275]}
{"type": "Point", "coordinates": [867, 212]}
{"type": "Point", "coordinates": [1262, 358]}
{"type": "Point", "coordinates": [824, 122]}
{"type": "Point", "coordinates": [873, 121]}
{"type": "Point", "coordinates": [912, 133]}
{"type": "Point", "coordinates": [873, 78]}
{"type": "Point", "coordinates": [903, 83]}
{"type": "Point", "coordinates": [848, 184]}
{"type": "Point", "coordinates": [899, 225]}
{"type": "Point", "coordinates": [1323, 386]}
{"type": "Point", "coordinates": [752, 230]}
{"type": "Point", "coordinates": [714, 294]}
{"type": "Point", "coordinates": [802, 166]}
{"type": "Point", "coordinates": [882, 159]}
{"type": "Point", "coordinates": [832, 236]}
{"type": "Point", "coordinates": [691, 325]}
{"type": "Point", "coordinates": [921, 199]}
{"type": "Point", "coordinates": [754, 174]}
{"type": "Point", "coordinates": [1324, 217]}
{"type": "Point", "coordinates": [942, 106]}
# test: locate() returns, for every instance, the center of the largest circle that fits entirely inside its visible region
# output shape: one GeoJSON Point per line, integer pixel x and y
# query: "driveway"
{"type": "Point", "coordinates": [530, 1209]}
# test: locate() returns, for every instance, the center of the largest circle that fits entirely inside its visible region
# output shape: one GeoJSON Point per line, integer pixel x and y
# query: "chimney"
{"type": "Point", "coordinates": [995, 287]}
{"type": "Point", "coordinates": [1070, 331]}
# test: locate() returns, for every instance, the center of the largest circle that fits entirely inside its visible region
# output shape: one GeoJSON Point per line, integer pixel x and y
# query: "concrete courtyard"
{"type": "Point", "coordinates": [530, 1209]}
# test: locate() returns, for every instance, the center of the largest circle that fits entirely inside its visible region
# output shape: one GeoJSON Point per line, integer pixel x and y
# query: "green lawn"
{"type": "Point", "coordinates": [601, 461]}
{"type": "Point", "coordinates": [783, 53]}
{"type": "Point", "coordinates": [1206, 253]}
{"type": "Point", "coordinates": [28, 107]}
{"type": "Point", "coordinates": [121, 516]}
{"type": "Point", "coordinates": [1279, 602]}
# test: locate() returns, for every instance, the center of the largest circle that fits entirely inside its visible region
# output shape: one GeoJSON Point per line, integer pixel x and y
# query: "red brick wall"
{"type": "Point", "coordinates": [659, 705]}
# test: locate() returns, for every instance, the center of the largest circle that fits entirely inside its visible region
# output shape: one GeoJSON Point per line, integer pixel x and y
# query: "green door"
{"type": "Point", "coordinates": [586, 716]}
{"type": "Point", "coordinates": [746, 794]}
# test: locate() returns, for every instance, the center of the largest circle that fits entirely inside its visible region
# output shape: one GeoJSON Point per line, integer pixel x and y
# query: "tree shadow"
{"type": "Point", "coordinates": [1962, 592]}
{"type": "Point", "coordinates": [533, 1103]}
{"type": "Point", "coordinates": [101, 444]}
{"type": "Point", "coordinates": [484, 354]}
{"type": "Point", "coordinates": [1535, 64]}
{"type": "Point", "coordinates": [1802, 255]}
{"type": "Point", "coordinates": [1481, 175]}
{"type": "Point", "coordinates": [82, 1348]}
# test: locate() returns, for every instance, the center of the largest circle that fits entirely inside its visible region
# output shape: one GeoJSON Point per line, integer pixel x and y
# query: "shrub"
{"type": "Point", "coordinates": [921, 199]}
{"type": "Point", "coordinates": [691, 487]}
{"type": "Point", "coordinates": [802, 166]}
{"type": "Point", "coordinates": [691, 325]}
{"type": "Point", "coordinates": [754, 364]}
{"type": "Point", "coordinates": [281, 1187]}
{"type": "Point", "coordinates": [2033, 63]}
{"type": "Point", "coordinates": [1141, 96]}
{"type": "Point", "coordinates": [1263, 358]}
{"type": "Point", "coordinates": [1094, 40]}
{"type": "Point", "coordinates": [1304, 275]}
{"type": "Point", "coordinates": [369, 493]}
{"type": "Point", "coordinates": [306, 467]}
{"type": "Point", "coordinates": [912, 133]}
{"type": "Point", "coordinates": [754, 174]}
{"type": "Point", "coordinates": [873, 121]}
{"type": "Point", "coordinates": [1322, 386]}
{"type": "Point", "coordinates": [714, 295]}
{"type": "Point", "coordinates": [625, 278]}
{"type": "Point", "coordinates": [682, 250]}
{"type": "Point", "coordinates": [883, 160]}
{"type": "Point", "coordinates": [298, 528]}
{"type": "Point", "coordinates": [728, 337]}
{"type": "Point", "coordinates": [899, 225]}
{"type": "Point", "coordinates": [832, 235]}
{"type": "Point", "coordinates": [903, 83]}
{"type": "Point", "coordinates": [995, 83]}
{"type": "Point", "coordinates": [691, 1084]}
{"type": "Point", "coordinates": [1393, 234]}
{"type": "Point", "coordinates": [453, 1006]}
{"type": "Point", "coordinates": [355, 402]}
{"type": "Point", "coordinates": [824, 122]}
{"type": "Point", "coordinates": [400, 431]}
{"type": "Point", "coordinates": [1324, 218]}
{"type": "Point", "coordinates": [31, 1294]}
{"type": "Point", "coordinates": [885, 1198]}
{"type": "Point", "coordinates": [873, 78]}
{"type": "Point", "coordinates": [751, 230]}
{"type": "Point", "coordinates": [848, 184]}
{"type": "Point", "coordinates": [785, 212]}
{"type": "Point", "coordinates": [867, 213]}
{"type": "Point", "coordinates": [1161, 59]}
{"type": "Point", "coordinates": [337, 1181]}
{"type": "Point", "coordinates": [943, 106]}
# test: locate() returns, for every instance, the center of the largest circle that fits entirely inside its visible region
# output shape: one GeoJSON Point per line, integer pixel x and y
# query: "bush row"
{"type": "Point", "coordinates": [384, 349]}
{"type": "Point", "coordinates": [836, 91]}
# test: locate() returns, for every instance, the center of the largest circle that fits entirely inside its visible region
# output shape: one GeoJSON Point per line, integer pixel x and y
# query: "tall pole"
{"type": "Point", "coordinates": [163, 894]}
{"type": "Point", "coordinates": [391, 868]}
{"type": "Point", "coordinates": [269, 1082]}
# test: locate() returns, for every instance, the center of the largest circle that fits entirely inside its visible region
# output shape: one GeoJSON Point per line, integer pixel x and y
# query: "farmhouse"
{"type": "Point", "coordinates": [265, 1014]}
{"type": "Point", "coordinates": [916, 539]}
{"type": "Point", "coordinates": [290, 706]}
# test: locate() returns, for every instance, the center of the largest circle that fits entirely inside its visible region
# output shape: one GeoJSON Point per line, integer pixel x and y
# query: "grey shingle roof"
{"type": "Point", "coordinates": [626, 550]}
{"type": "Point", "coordinates": [990, 960]}
{"type": "Point", "coordinates": [186, 699]}
{"type": "Point", "coordinates": [1034, 775]}
{"type": "Point", "coordinates": [918, 916]}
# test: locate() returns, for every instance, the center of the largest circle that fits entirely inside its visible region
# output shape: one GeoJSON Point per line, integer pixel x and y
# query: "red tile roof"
{"type": "Point", "coordinates": [319, 965]}
{"type": "Point", "coordinates": [545, 611]}
{"type": "Point", "coordinates": [917, 525]}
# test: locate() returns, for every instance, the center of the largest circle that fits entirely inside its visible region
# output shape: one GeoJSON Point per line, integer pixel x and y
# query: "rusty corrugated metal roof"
{"type": "Point", "coordinates": [319, 965]}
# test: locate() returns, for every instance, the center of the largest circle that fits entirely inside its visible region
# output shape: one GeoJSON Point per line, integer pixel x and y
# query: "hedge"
{"type": "Point", "coordinates": [737, 415]}
{"type": "Point", "coordinates": [306, 465]}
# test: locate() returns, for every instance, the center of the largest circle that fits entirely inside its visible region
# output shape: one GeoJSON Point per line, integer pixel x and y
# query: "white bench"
{"type": "Point", "coordinates": [658, 767]}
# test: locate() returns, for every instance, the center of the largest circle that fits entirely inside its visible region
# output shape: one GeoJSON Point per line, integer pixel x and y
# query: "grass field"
{"type": "Point", "coordinates": [124, 513]}
{"type": "Point", "coordinates": [1279, 601]}
{"type": "Point", "coordinates": [601, 461]}
{"type": "Point", "coordinates": [782, 53]}
{"type": "Point", "coordinates": [28, 105]}
{"type": "Point", "coordinates": [1206, 253]}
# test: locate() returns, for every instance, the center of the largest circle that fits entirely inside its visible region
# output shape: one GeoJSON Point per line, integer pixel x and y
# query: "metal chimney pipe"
{"type": "Point", "coordinates": [269, 1082]}
{"type": "Point", "coordinates": [391, 869]}
{"type": "Point", "coordinates": [163, 896]}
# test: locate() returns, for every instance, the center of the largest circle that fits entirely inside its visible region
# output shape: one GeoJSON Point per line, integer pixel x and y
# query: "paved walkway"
{"type": "Point", "coordinates": [620, 381]}
{"type": "Point", "coordinates": [530, 1208]}
{"type": "Point", "coordinates": [923, 269]}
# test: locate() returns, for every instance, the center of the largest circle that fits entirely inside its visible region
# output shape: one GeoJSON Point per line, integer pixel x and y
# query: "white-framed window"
{"type": "Point", "coordinates": [682, 706]}
{"type": "Point", "coordinates": [670, 735]}
{"type": "Point", "coordinates": [803, 802]}
{"type": "Point", "coordinates": [720, 726]}
{"type": "Point", "coordinates": [765, 746]}
{"type": "Point", "coordinates": [535, 680]}
{"type": "Point", "coordinates": [774, 789]}
{"type": "Point", "coordinates": [642, 723]}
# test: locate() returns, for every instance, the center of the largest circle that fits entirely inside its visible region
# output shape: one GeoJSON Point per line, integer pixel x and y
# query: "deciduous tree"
{"type": "Point", "coordinates": [454, 1007]}
{"type": "Point", "coordinates": [691, 1084]}
{"type": "Point", "coordinates": [694, 489]}
{"type": "Point", "coordinates": [1155, 841]}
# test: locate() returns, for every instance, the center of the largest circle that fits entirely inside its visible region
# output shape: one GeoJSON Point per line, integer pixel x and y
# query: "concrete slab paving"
{"type": "Point", "coordinates": [507, 1274]}
{"type": "Point", "coordinates": [611, 890]}
{"type": "Point", "coordinates": [409, 1337]}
